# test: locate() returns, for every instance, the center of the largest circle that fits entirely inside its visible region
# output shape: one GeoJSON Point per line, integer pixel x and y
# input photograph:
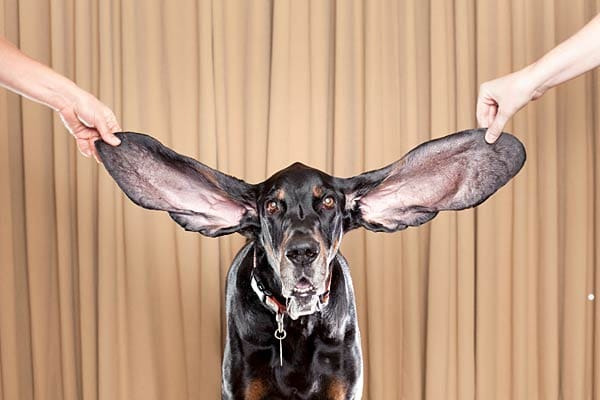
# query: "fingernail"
{"type": "Point", "coordinates": [115, 141]}
{"type": "Point", "coordinates": [489, 138]}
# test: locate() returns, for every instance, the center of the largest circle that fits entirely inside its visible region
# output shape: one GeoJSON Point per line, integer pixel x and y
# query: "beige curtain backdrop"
{"type": "Point", "coordinates": [102, 300]}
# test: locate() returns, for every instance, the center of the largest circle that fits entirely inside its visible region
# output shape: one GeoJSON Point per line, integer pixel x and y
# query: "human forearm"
{"type": "Point", "coordinates": [576, 55]}
{"type": "Point", "coordinates": [32, 79]}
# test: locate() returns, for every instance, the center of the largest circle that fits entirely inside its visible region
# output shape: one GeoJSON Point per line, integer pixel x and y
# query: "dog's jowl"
{"type": "Point", "coordinates": [291, 318]}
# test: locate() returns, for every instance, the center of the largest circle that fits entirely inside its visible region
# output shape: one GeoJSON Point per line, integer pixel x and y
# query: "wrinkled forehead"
{"type": "Point", "coordinates": [296, 182]}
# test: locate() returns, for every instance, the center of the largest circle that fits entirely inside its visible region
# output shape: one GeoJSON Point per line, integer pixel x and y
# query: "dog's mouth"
{"type": "Point", "coordinates": [298, 306]}
{"type": "Point", "coordinates": [304, 288]}
{"type": "Point", "coordinates": [304, 299]}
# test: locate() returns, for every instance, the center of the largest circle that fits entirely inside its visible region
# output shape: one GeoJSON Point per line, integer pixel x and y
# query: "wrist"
{"type": "Point", "coordinates": [537, 79]}
{"type": "Point", "coordinates": [61, 93]}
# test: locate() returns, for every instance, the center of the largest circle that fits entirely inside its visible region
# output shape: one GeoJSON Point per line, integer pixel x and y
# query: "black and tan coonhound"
{"type": "Point", "coordinates": [292, 329]}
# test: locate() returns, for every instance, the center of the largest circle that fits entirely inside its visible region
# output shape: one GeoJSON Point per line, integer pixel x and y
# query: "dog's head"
{"type": "Point", "coordinates": [299, 214]}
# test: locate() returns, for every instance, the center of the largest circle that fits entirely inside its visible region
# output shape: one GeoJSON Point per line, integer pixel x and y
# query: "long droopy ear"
{"type": "Point", "coordinates": [197, 197]}
{"type": "Point", "coordinates": [452, 173]}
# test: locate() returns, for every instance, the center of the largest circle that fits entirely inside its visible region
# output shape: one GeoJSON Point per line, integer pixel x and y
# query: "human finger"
{"type": "Point", "coordinates": [107, 125]}
{"type": "Point", "coordinates": [491, 115]}
{"type": "Point", "coordinates": [84, 147]}
{"type": "Point", "coordinates": [93, 149]}
{"type": "Point", "coordinates": [495, 129]}
{"type": "Point", "coordinates": [482, 110]}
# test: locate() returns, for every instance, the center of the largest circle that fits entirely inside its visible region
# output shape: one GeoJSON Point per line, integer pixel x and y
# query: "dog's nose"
{"type": "Point", "coordinates": [302, 251]}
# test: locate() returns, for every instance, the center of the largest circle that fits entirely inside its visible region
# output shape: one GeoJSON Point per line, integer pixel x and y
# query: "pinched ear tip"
{"type": "Point", "coordinates": [507, 144]}
{"type": "Point", "coordinates": [511, 148]}
{"type": "Point", "coordinates": [505, 139]}
{"type": "Point", "coordinates": [517, 147]}
{"type": "Point", "coordinates": [128, 141]}
{"type": "Point", "coordinates": [506, 154]}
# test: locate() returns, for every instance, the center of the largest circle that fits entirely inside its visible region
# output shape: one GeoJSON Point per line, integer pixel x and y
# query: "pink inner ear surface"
{"type": "Point", "coordinates": [451, 173]}
{"type": "Point", "coordinates": [216, 209]}
{"type": "Point", "coordinates": [187, 195]}
{"type": "Point", "coordinates": [399, 195]}
{"type": "Point", "coordinates": [197, 197]}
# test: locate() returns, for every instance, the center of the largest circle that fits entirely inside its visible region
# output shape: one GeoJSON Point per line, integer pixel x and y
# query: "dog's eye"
{"type": "Point", "coordinates": [329, 202]}
{"type": "Point", "coordinates": [271, 206]}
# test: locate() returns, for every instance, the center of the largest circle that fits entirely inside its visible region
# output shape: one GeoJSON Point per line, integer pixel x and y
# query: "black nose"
{"type": "Point", "coordinates": [302, 251]}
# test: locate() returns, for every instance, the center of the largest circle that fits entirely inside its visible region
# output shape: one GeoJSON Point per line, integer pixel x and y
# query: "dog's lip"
{"type": "Point", "coordinates": [304, 288]}
{"type": "Point", "coordinates": [304, 292]}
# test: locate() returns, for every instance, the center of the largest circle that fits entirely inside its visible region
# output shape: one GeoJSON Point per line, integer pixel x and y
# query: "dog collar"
{"type": "Point", "coordinates": [266, 297]}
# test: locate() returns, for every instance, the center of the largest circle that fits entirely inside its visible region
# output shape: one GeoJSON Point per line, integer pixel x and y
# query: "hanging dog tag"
{"type": "Point", "coordinates": [280, 334]}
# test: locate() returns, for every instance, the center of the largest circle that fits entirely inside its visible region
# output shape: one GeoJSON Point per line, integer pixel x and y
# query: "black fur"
{"type": "Point", "coordinates": [320, 350]}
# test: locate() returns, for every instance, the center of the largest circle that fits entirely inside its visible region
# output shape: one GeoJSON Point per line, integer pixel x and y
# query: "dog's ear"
{"type": "Point", "coordinates": [452, 173]}
{"type": "Point", "coordinates": [197, 197]}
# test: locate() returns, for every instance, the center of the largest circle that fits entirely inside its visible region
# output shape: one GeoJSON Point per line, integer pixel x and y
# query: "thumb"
{"type": "Point", "coordinates": [495, 129]}
{"type": "Point", "coordinates": [106, 128]}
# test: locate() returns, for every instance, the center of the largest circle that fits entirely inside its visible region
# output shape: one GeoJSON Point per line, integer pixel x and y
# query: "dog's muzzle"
{"type": "Point", "coordinates": [299, 305]}
{"type": "Point", "coordinates": [301, 252]}
{"type": "Point", "coordinates": [305, 300]}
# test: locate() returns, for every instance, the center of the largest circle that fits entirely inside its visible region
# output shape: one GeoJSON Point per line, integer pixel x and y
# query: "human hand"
{"type": "Point", "coordinates": [84, 116]}
{"type": "Point", "coordinates": [501, 98]}
{"type": "Point", "coordinates": [88, 120]}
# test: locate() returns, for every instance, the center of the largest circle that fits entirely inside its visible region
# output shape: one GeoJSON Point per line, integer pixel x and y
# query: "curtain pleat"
{"type": "Point", "coordinates": [100, 299]}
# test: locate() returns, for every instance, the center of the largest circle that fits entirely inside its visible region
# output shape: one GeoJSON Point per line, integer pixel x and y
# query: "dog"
{"type": "Point", "coordinates": [292, 329]}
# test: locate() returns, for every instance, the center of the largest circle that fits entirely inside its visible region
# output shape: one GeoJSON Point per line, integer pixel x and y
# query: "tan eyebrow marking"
{"type": "Point", "coordinates": [317, 191]}
{"type": "Point", "coordinates": [280, 194]}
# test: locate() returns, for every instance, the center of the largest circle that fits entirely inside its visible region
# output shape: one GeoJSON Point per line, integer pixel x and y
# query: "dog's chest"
{"type": "Point", "coordinates": [316, 363]}
{"type": "Point", "coordinates": [321, 351]}
{"type": "Point", "coordinates": [313, 366]}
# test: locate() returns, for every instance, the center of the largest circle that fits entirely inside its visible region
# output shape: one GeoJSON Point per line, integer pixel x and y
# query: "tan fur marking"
{"type": "Point", "coordinates": [337, 390]}
{"type": "Point", "coordinates": [280, 194]}
{"type": "Point", "coordinates": [284, 240]}
{"type": "Point", "coordinates": [255, 390]}
{"type": "Point", "coordinates": [271, 255]}
{"type": "Point", "coordinates": [322, 248]}
{"type": "Point", "coordinates": [317, 191]}
{"type": "Point", "coordinates": [336, 245]}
